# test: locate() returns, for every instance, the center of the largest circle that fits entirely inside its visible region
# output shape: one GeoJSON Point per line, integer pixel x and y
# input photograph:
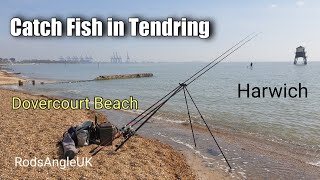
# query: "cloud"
{"type": "Point", "coordinates": [300, 3]}
{"type": "Point", "coordinates": [274, 5]}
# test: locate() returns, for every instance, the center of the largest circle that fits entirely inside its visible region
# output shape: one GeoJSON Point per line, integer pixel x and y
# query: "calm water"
{"type": "Point", "coordinates": [287, 120]}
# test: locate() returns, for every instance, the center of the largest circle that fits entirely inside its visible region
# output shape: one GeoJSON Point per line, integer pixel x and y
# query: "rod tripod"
{"type": "Point", "coordinates": [183, 87]}
{"type": "Point", "coordinates": [195, 105]}
{"type": "Point", "coordinates": [186, 92]}
{"type": "Point", "coordinates": [152, 110]}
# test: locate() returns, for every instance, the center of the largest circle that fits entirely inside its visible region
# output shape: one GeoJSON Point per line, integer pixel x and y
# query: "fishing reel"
{"type": "Point", "coordinates": [127, 131]}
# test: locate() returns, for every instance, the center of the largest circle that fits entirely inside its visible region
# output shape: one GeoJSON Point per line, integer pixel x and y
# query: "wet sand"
{"type": "Point", "coordinates": [9, 78]}
{"type": "Point", "coordinates": [251, 156]}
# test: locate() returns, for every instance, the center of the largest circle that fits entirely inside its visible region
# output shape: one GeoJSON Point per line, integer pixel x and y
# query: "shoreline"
{"type": "Point", "coordinates": [46, 146]}
{"type": "Point", "coordinates": [7, 78]}
{"type": "Point", "coordinates": [181, 157]}
{"type": "Point", "coordinates": [250, 156]}
{"type": "Point", "coordinates": [258, 158]}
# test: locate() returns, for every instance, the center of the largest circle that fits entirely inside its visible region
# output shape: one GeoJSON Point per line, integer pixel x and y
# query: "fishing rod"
{"type": "Point", "coordinates": [95, 150]}
{"type": "Point", "coordinates": [183, 86]}
{"type": "Point", "coordinates": [124, 131]}
{"type": "Point", "coordinates": [228, 50]}
{"type": "Point", "coordinates": [132, 123]}
{"type": "Point", "coordinates": [127, 131]}
{"type": "Point", "coordinates": [154, 112]}
{"type": "Point", "coordinates": [224, 58]}
{"type": "Point", "coordinates": [199, 74]}
{"type": "Point", "coordinates": [241, 43]}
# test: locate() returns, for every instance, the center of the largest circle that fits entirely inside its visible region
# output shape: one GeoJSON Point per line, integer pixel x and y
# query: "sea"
{"type": "Point", "coordinates": [288, 121]}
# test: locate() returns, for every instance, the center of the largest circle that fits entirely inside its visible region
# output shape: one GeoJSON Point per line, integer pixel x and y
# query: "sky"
{"type": "Point", "coordinates": [284, 24]}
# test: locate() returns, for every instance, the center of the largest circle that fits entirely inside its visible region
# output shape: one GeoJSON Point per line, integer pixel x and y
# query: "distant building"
{"type": "Point", "coordinates": [128, 58]}
{"type": "Point", "coordinates": [13, 60]}
{"type": "Point", "coordinates": [7, 60]}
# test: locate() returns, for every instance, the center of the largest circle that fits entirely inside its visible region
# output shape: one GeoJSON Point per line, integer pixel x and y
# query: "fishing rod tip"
{"type": "Point", "coordinates": [258, 33]}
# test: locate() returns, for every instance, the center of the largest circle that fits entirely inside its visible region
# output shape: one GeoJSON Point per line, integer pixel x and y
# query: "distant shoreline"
{"type": "Point", "coordinates": [150, 62]}
{"type": "Point", "coordinates": [188, 173]}
{"type": "Point", "coordinates": [258, 152]}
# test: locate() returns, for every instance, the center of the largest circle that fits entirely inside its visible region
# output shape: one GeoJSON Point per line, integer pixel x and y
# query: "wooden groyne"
{"type": "Point", "coordinates": [123, 76]}
{"type": "Point", "coordinates": [106, 77]}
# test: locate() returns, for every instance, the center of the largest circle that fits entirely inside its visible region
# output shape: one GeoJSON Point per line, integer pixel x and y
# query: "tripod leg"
{"type": "Point", "coordinates": [185, 97]}
{"type": "Point", "coordinates": [208, 127]}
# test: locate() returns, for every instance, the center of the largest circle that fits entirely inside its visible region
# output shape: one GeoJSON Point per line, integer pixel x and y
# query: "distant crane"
{"type": "Point", "coordinates": [75, 58]}
{"type": "Point", "coordinates": [115, 58]}
{"type": "Point", "coordinates": [128, 59]}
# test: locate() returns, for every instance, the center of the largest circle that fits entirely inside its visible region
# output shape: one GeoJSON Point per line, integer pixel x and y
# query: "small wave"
{"type": "Point", "coordinates": [172, 121]}
{"type": "Point", "coordinates": [208, 160]}
{"type": "Point", "coordinates": [185, 144]}
{"type": "Point", "coordinates": [192, 148]}
{"type": "Point", "coordinates": [73, 91]}
{"type": "Point", "coordinates": [137, 111]}
{"type": "Point", "coordinates": [157, 117]}
{"type": "Point", "coordinates": [13, 87]}
{"type": "Point", "coordinates": [315, 163]}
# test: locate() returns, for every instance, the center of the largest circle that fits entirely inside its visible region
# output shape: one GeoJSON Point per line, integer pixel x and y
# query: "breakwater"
{"type": "Point", "coordinates": [123, 76]}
